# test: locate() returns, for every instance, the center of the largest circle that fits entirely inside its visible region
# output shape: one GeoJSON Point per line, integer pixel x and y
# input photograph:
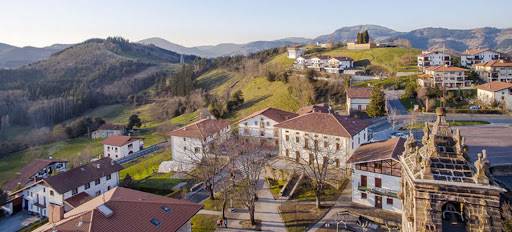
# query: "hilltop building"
{"type": "Point", "coordinates": [444, 77]}
{"type": "Point", "coordinates": [433, 58]}
{"type": "Point", "coordinates": [441, 189]}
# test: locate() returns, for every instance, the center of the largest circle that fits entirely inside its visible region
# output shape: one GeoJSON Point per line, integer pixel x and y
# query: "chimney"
{"type": "Point", "coordinates": [55, 213]}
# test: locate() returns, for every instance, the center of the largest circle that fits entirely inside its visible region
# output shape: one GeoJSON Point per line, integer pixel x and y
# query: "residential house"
{"type": "Point", "coordinates": [376, 174]}
{"type": "Point", "coordinates": [447, 77]}
{"type": "Point", "coordinates": [107, 130]}
{"type": "Point", "coordinates": [318, 62]}
{"type": "Point", "coordinates": [358, 99]}
{"type": "Point", "coordinates": [119, 146]}
{"type": "Point", "coordinates": [433, 58]}
{"type": "Point", "coordinates": [295, 52]}
{"type": "Point", "coordinates": [91, 179]}
{"type": "Point", "coordinates": [260, 124]}
{"type": "Point", "coordinates": [189, 143]}
{"type": "Point", "coordinates": [336, 65]}
{"type": "Point", "coordinates": [330, 135]}
{"type": "Point", "coordinates": [477, 56]}
{"type": "Point", "coordinates": [29, 175]}
{"type": "Point", "coordinates": [494, 70]}
{"type": "Point", "coordinates": [127, 210]}
{"type": "Point", "coordinates": [498, 92]}
{"type": "Point", "coordinates": [301, 63]}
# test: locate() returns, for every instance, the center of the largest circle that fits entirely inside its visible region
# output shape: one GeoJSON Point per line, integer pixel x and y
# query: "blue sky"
{"type": "Point", "coordinates": [202, 22]}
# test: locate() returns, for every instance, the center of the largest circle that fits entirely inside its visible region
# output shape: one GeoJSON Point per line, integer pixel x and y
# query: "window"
{"type": "Point", "coordinates": [184, 139]}
{"type": "Point", "coordinates": [130, 145]}
{"type": "Point", "coordinates": [389, 201]}
{"type": "Point", "coordinates": [268, 123]}
{"type": "Point", "coordinates": [185, 148]}
{"type": "Point", "coordinates": [297, 156]}
{"type": "Point", "coordinates": [287, 138]}
{"type": "Point", "coordinates": [109, 176]}
{"type": "Point", "coordinates": [97, 181]}
{"type": "Point", "coordinates": [306, 143]}
{"type": "Point", "coordinates": [98, 193]}
{"type": "Point", "coordinates": [196, 149]}
{"type": "Point", "coordinates": [363, 196]}
{"type": "Point", "coordinates": [326, 144]}
{"type": "Point", "coordinates": [255, 123]}
{"type": "Point", "coordinates": [51, 193]}
{"type": "Point", "coordinates": [108, 187]}
{"type": "Point", "coordinates": [155, 222]}
{"type": "Point", "coordinates": [245, 123]}
{"type": "Point", "coordinates": [316, 144]}
{"type": "Point", "coordinates": [88, 186]}
{"type": "Point", "coordinates": [364, 181]}
{"type": "Point", "coordinates": [44, 190]}
{"type": "Point", "coordinates": [311, 158]}
{"type": "Point", "coordinates": [287, 152]}
{"type": "Point", "coordinates": [378, 182]}
{"type": "Point", "coordinates": [297, 139]}
{"type": "Point", "coordinates": [337, 146]}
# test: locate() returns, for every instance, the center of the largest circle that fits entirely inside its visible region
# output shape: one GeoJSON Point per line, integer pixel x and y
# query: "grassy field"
{"type": "Point", "coordinates": [204, 223]}
{"type": "Point", "coordinates": [298, 216]}
{"type": "Point", "coordinates": [157, 183]}
{"type": "Point", "coordinates": [393, 59]}
{"type": "Point", "coordinates": [280, 63]}
{"type": "Point", "coordinates": [306, 193]}
{"type": "Point", "coordinates": [146, 166]}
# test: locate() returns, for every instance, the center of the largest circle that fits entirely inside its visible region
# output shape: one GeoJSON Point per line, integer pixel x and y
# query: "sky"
{"type": "Point", "coordinates": [208, 22]}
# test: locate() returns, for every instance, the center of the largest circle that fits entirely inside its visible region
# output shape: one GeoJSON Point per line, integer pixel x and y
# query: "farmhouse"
{"type": "Point", "coordinates": [332, 136]}
{"type": "Point", "coordinates": [123, 209]}
{"type": "Point", "coordinates": [477, 56]}
{"type": "Point", "coordinates": [261, 123]}
{"type": "Point", "coordinates": [67, 188]}
{"type": "Point", "coordinates": [358, 99]}
{"type": "Point", "coordinates": [118, 146]}
{"type": "Point", "coordinates": [446, 77]}
{"type": "Point", "coordinates": [190, 142]}
{"type": "Point", "coordinates": [495, 92]}
{"type": "Point", "coordinates": [494, 70]}
{"type": "Point", "coordinates": [433, 58]}
{"type": "Point", "coordinates": [376, 174]}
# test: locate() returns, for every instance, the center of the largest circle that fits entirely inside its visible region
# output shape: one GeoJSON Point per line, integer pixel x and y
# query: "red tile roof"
{"type": "Point", "coordinates": [354, 92]}
{"type": "Point", "coordinates": [383, 150]}
{"type": "Point", "coordinates": [73, 178]}
{"type": "Point", "coordinates": [494, 86]}
{"type": "Point", "coordinates": [118, 140]}
{"type": "Point", "coordinates": [272, 113]}
{"type": "Point", "coordinates": [325, 123]}
{"type": "Point", "coordinates": [201, 129]}
{"type": "Point", "coordinates": [476, 51]}
{"type": "Point", "coordinates": [132, 210]}
{"type": "Point", "coordinates": [78, 199]}
{"type": "Point", "coordinates": [495, 63]}
{"type": "Point", "coordinates": [27, 172]}
{"type": "Point", "coordinates": [445, 69]}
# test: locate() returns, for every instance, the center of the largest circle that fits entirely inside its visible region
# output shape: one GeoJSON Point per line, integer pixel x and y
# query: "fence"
{"type": "Point", "coordinates": [139, 154]}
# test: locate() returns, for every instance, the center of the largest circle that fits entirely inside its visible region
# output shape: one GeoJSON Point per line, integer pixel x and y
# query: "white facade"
{"type": "Point", "coordinates": [37, 198]}
{"type": "Point", "coordinates": [292, 144]}
{"type": "Point", "coordinates": [449, 78]}
{"type": "Point", "coordinates": [499, 71]}
{"type": "Point", "coordinates": [504, 95]}
{"type": "Point", "coordinates": [118, 152]}
{"type": "Point", "coordinates": [258, 126]}
{"type": "Point", "coordinates": [294, 53]}
{"type": "Point", "coordinates": [336, 66]}
{"type": "Point", "coordinates": [367, 195]}
{"type": "Point", "coordinates": [433, 59]}
{"type": "Point", "coordinates": [484, 56]}
{"type": "Point", "coordinates": [357, 104]}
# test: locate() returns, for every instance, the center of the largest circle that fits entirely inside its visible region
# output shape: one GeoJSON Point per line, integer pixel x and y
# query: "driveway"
{"type": "Point", "coordinates": [16, 222]}
{"type": "Point", "coordinates": [393, 102]}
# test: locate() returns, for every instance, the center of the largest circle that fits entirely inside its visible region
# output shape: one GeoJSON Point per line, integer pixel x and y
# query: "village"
{"type": "Point", "coordinates": [385, 161]}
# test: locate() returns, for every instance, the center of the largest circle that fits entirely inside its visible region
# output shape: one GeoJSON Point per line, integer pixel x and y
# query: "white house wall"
{"type": "Point", "coordinates": [252, 127]}
{"type": "Point", "coordinates": [388, 182]}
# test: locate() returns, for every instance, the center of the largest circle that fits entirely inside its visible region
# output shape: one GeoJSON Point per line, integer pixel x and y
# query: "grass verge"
{"type": "Point", "coordinates": [204, 223]}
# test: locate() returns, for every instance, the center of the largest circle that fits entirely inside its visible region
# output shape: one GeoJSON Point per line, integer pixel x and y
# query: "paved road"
{"type": "Point", "coordinates": [393, 102]}
{"type": "Point", "coordinates": [16, 222]}
{"type": "Point", "coordinates": [267, 209]}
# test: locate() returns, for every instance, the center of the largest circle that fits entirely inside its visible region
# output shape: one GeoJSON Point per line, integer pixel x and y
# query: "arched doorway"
{"type": "Point", "coordinates": [453, 217]}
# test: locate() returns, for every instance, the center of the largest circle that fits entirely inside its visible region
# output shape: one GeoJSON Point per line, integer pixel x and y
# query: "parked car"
{"type": "Point", "coordinates": [398, 134]}
{"type": "Point", "coordinates": [475, 107]}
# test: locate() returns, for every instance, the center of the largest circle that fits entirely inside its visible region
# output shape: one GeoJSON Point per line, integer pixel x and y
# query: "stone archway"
{"type": "Point", "coordinates": [454, 217]}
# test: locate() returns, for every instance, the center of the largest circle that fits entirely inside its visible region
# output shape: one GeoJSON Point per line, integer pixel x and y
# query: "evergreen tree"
{"type": "Point", "coordinates": [377, 104]}
{"type": "Point", "coordinates": [359, 38]}
{"type": "Point", "coordinates": [134, 121]}
{"type": "Point", "coordinates": [365, 37]}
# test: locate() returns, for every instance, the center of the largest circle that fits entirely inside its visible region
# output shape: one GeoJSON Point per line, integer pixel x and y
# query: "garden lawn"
{"type": "Point", "coordinates": [204, 223]}
{"type": "Point", "coordinates": [146, 166]}
{"type": "Point", "coordinates": [298, 216]}
{"type": "Point", "coordinates": [158, 183]}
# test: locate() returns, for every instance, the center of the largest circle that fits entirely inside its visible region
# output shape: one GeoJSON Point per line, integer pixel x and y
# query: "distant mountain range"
{"type": "Point", "coordinates": [424, 38]}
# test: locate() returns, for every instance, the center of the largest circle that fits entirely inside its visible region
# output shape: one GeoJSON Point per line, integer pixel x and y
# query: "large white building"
{"type": "Point", "coordinates": [477, 56]}
{"type": "Point", "coordinates": [446, 77]}
{"type": "Point", "coordinates": [261, 123]}
{"type": "Point", "coordinates": [433, 58]}
{"type": "Point", "coordinates": [295, 52]}
{"type": "Point", "coordinates": [376, 174]}
{"type": "Point", "coordinates": [498, 92]}
{"type": "Point", "coordinates": [189, 143]}
{"type": "Point", "coordinates": [119, 146]}
{"type": "Point", "coordinates": [333, 136]}
{"type": "Point", "coordinates": [70, 188]}
{"type": "Point", "coordinates": [495, 70]}
{"type": "Point", "coordinates": [336, 65]}
{"type": "Point", "coordinates": [358, 99]}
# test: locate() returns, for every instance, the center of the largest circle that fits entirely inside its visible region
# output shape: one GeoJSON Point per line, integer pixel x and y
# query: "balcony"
{"type": "Point", "coordinates": [378, 191]}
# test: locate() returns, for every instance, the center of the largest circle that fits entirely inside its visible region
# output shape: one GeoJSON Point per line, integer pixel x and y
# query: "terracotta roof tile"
{"type": "Point", "coordinates": [353, 92]}
{"type": "Point", "coordinates": [323, 108]}
{"type": "Point", "coordinates": [73, 178]}
{"type": "Point", "coordinates": [273, 113]}
{"type": "Point", "coordinates": [325, 123]}
{"type": "Point", "coordinates": [495, 63]}
{"type": "Point", "coordinates": [27, 172]}
{"type": "Point", "coordinates": [494, 86]}
{"type": "Point", "coordinates": [382, 150]}
{"type": "Point", "coordinates": [476, 51]}
{"type": "Point", "coordinates": [78, 199]}
{"type": "Point", "coordinates": [201, 129]}
{"type": "Point", "coordinates": [118, 140]}
{"type": "Point", "coordinates": [445, 69]}
{"type": "Point", "coordinates": [132, 210]}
